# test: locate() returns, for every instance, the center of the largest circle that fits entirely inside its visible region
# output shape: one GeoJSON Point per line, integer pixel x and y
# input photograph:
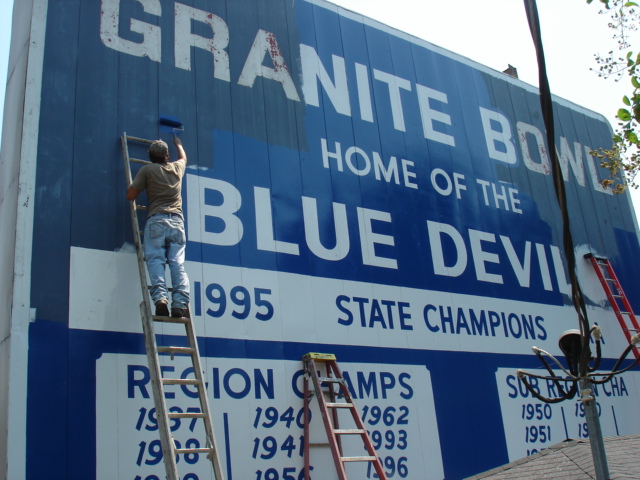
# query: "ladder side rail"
{"type": "Point", "coordinates": [307, 439]}
{"type": "Point", "coordinates": [601, 265]}
{"type": "Point", "coordinates": [623, 318]}
{"type": "Point", "coordinates": [616, 308]}
{"type": "Point", "coordinates": [359, 423]}
{"type": "Point", "coordinates": [329, 372]}
{"type": "Point", "coordinates": [344, 389]}
{"type": "Point", "coordinates": [133, 207]}
{"type": "Point", "coordinates": [623, 299]}
{"type": "Point", "coordinates": [342, 474]}
{"type": "Point", "coordinates": [166, 439]}
{"type": "Point", "coordinates": [204, 400]}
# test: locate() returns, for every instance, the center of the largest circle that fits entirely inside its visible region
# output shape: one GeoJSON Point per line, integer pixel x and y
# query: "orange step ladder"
{"type": "Point", "coordinates": [338, 399]}
{"type": "Point", "coordinates": [616, 296]}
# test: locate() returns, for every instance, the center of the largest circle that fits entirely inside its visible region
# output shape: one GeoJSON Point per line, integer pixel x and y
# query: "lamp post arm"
{"type": "Point", "coordinates": [522, 375]}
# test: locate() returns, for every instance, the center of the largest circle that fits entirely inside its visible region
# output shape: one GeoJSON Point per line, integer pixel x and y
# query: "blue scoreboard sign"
{"type": "Point", "coordinates": [350, 190]}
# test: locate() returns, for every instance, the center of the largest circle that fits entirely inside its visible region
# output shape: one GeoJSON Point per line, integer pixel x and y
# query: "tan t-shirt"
{"type": "Point", "coordinates": [163, 183]}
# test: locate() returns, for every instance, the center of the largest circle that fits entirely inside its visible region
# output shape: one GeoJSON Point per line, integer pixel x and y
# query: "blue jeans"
{"type": "Point", "coordinates": [165, 242]}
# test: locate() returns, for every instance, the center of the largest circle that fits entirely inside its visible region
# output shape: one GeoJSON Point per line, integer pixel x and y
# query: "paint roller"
{"type": "Point", "coordinates": [169, 124]}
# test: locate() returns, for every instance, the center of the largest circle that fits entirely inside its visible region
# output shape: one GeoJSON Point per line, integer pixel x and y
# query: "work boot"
{"type": "Point", "coordinates": [162, 309]}
{"type": "Point", "coordinates": [179, 312]}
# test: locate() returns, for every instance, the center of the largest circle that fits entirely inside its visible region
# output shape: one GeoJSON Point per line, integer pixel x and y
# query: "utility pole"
{"type": "Point", "coordinates": [595, 432]}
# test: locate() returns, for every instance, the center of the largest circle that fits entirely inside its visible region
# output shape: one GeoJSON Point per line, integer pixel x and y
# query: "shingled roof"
{"type": "Point", "coordinates": [572, 460]}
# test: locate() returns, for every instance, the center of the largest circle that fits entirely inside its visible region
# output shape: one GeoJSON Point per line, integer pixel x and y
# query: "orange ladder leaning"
{"type": "Point", "coordinates": [338, 399]}
{"type": "Point", "coordinates": [616, 296]}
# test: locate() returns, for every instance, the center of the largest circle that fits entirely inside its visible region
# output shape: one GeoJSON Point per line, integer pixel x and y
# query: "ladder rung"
{"type": "Point", "coordinates": [340, 405]}
{"type": "Point", "coordinates": [349, 431]}
{"type": "Point", "coordinates": [138, 139]}
{"type": "Point", "coordinates": [139, 160]}
{"type": "Point", "coordinates": [181, 451]}
{"type": "Point", "coordinates": [186, 415]}
{"type": "Point", "coordinates": [182, 350]}
{"type": "Point", "coordinates": [319, 356]}
{"type": "Point", "coordinates": [169, 289]}
{"type": "Point", "coordinates": [357, 459]}
{"type": "Point", "coordinates": [180, 381]}
{"type": "Point", "coordinates": [331, 380]}
{"type": "Point", "coordinates": [170, 319]}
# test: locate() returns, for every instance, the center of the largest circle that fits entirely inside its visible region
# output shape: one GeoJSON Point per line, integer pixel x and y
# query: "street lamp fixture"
{"type": "Point", "coordinates": [581, 374]}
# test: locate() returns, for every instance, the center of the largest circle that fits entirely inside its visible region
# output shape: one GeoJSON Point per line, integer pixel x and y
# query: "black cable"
{"type": "Point", "coordinates": [553, 376]}
{"type": "Point", "coordinates": [614, 371]}
{"type": "Point", "coordinates": [564, 395]}
{"type": "Point", "coordinates": [558, 182]}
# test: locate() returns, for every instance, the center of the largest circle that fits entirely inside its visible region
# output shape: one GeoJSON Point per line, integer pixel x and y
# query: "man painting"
{"type": "Point", "coordinates": [164, 235]}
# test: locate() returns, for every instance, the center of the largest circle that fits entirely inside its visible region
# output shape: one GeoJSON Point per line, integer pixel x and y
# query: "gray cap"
{"type": "Point", "coordinates": [159, 148]}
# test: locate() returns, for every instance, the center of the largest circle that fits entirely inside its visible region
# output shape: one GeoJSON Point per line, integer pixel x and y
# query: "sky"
{"type": "Point", "coordinates": [491, 32]}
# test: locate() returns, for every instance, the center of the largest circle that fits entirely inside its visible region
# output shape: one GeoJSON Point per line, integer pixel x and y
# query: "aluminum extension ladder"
{"type": "Point", "coordinates": [169, 448]}
{"type": "Point", "coordinates": [329, 411]}
{"type": "Point", "coordinates": [616, 296]}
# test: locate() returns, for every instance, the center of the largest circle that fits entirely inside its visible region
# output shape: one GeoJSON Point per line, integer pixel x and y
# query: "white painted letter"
{"type": "Point", "coordinates": [353, 166]}
{"type": "Point", "coordinates": [502, 136]}
{"type": "Point", "coordinates": [544, 267]}
{"type": "Point", "coordinates": [313, 70]}
{"type": "Point", "coordinates": [369, 239]}
{"type": "Point", "coordinates": [408, 176]}
{"type": "Point", "coordinates": [522, 271]}
{"type": "Point", "coordinates": [326, 155]}
{"type": "Point", "coordinates": [390, 173]}
{"type": "Point", "coordinates": [364, 93]}
{"type": "Point", "coordinates": [436, 230]}
{"type": "Point", "coordinates": [394, 84]}
{"type": "Point", "coordinates": [265, 42]}
{"type": "Point", "coordinates": [480, 257]}
{"type": "Point", "coordinates": [198, 211]}
{"type": "Point", "coordinates": [264, 225]}
{"type": "Point", "coordinates": [429, 115]}
{"type": "Point", "coordinates": [185, 39]}
{"type": "Point", "coordinates": [542, 167]}
{"type": "Point", "coordinates": [595, 180]}
{"type": "Point", "coordinates": [110, 25]}
{"type": "Point", "coordinates": [566, 158]}
{"type": "Point", "coordinates": [563, 284]}
{"type": "Point", "coordinates": [312, 230]}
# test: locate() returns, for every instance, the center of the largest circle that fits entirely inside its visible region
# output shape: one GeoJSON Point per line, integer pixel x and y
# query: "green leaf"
{"type": "Point", "coordinates": [635, 82]}
{"type": "Point", "coordinates": [626, 100]}
{"type": "Point", "coordinates": [632, 137]}
{"type": "Point", "coordinates": [624, 115]}
{"type": "Point", "coordinates": [631, 4]}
